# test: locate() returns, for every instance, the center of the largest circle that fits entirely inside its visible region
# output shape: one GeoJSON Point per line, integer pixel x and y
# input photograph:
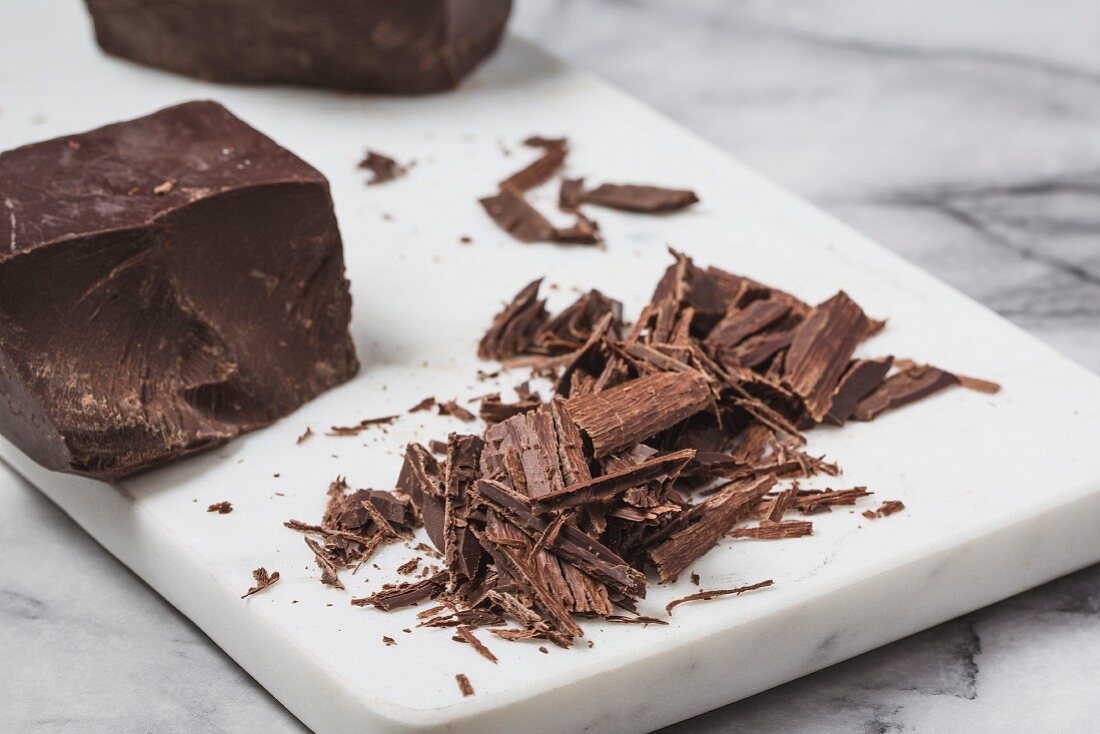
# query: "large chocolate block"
{"type": "Point", "coordinates": [165, 284]}
{"type": "Point", "coordinates": [388, 46]}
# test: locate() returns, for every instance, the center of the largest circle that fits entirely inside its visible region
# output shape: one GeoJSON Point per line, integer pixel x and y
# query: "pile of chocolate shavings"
{"type": "Point", "coordinates": [512, 212]}
{"type": "Point", "coordinates": [658, 440]}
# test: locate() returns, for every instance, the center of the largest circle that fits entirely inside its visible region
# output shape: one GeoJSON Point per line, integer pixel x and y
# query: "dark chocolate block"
{"type": "Point", "coordinates": [165, 284]}
{"type": "Point", "coordinates": [388, 46]}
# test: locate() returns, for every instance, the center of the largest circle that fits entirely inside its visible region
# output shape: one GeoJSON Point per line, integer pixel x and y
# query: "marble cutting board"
{"type": "Point", "coordinates": [1002, 492]}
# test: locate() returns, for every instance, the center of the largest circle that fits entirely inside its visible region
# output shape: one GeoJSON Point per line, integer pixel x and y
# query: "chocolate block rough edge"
{"type": "Point", "coordinates": [408, 47]}
{"type": "Point", "coordinates": [166, 284]}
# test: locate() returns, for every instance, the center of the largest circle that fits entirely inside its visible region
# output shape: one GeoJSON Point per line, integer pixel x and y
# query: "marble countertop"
{"type": "Point", "coordinates": [963, 135]}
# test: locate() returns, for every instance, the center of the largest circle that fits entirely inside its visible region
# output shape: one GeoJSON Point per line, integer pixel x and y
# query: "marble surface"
{"type": "Point", "coordinates": [962, 135]}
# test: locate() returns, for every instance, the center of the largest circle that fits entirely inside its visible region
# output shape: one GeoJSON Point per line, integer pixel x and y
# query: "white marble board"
{"type": "Point", "coordinates": [1002, 492]}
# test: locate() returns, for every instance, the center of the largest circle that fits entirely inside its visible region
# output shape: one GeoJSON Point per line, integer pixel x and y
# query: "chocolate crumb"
{"type": "Point", "coordinates": [305, 436]}
{"type": "Point", "coordinates": [388, 641]}
{"type": "Point", "coordinates": [165, 188]}
{"type": "Point", "coordinates": [222, 508]}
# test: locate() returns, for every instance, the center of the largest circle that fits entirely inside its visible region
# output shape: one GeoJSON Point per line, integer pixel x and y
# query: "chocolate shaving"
{"type": "Point", "coordinates": [262, 579]}
{"type": "Point", "coordinates": [329, 576]}
{"type": "Point", "coordinates": [514, 215]}
{"type": "Point", "coordinates": [467, 634]}
{"type": "Point", "coordinates": [405, 595]}
{"type": "Point", "coordinates": [425, 404]}
{"type": "Point", "coordinates": [305, 436]}
{"type": "Point", "coordinates": [635, 198]}
{"type": "Point", "coordinates": [361, 426]}
{"type": "Point", "coordinates": [222, 508]}
{"type": "Point", "coordinates": [907, 386]}
{"type": "Point", "coordinates": [707, 595]}
{"type": "Point", "coordinates": [538, 172]}
{"type": "Point", "coordinates": [771, 530]}
{"type": "Point", "coordinates": [388, 641]}
{"type": "Point", "coordinates": [408, 566]}
{"type": "Point", "coordinates": [889, 507]}
{"type": "Point", "coordinates": [618, 619]}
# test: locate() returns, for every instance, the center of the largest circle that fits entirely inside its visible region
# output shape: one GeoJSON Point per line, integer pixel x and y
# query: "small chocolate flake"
{"type": "Point", "coordinates": [424, 404]}
{"type": "Point", "coordinates": [889, 507]}
{"type": "Point", "coordinates": [455, 410]}
{"type": "Point", "coordinates": [643, 199]}
{"type": "Point", "coordinates": [262, 579]}
{"type": "Point", "coordinates": [408, 566]}
{"type": "Point", "coordinates": [388, 641]}
{"type": "Point", "coordinates": [543, 650]}
{"type": "Point", "coordinates": [305, 436]}
{"type": "Point", "coordinates": [222, 508]}
{"type": "Point", "coordinates": [361, 426]}
{"type": "Point", "coordinates": [383, 168]}
{"type": "Point", "coordinates": [464, 685]}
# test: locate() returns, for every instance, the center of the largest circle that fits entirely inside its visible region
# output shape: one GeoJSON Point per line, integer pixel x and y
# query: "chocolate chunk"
{"type": "Point", "coordinates": [141, 328]}
{"type": "Point", "coordinates": [647, 199]}
{"type": "Point", "coordinates": [394, 48]}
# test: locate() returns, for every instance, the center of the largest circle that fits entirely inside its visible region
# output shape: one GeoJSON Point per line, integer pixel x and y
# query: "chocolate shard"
{"type": "Point", "coordinates": [539, 171]}
{"type": "Point", "coordinates": [820, 350]}
{"type": "Point", "coordinates": [421, 478]}
{"type": "Point", "coordinates": [624, 415]}
{"type": "Point", "coordinates": [174, 322]}
{"type": "Point", "coordinates": [907, 386]}
{"type": "Point", "coordinates": [575, 546]}
{"type": "Point", "coordinates": [635, 198]}
{"type": "Point", "coordinates": [696, 534]}
{"type": "Point", "coordinates": [616, 482]}
{"type": "Point", "coordinates": [517, 217]}
{"type": "Point", "coordinates": [862, 378]}
{"type": "Point", "coordinates": [405, 595]}
{"type": "Point", "coordinates": [769, 530]}
{"type": "Point", "coordinates": [461, 550]}
{"type": "Point", "coordinates": [744, 322]}
{"type": "Point", "coordinates": [393, 48]}
{"type": "Point", "coordinates": [513, 330]}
